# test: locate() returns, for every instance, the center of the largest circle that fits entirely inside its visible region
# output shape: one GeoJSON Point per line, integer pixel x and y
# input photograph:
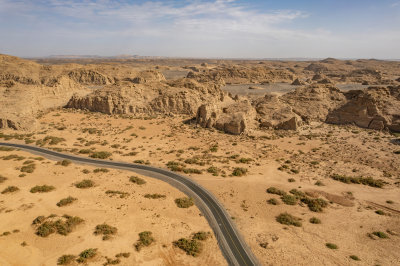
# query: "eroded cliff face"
{"type": "Point", "coordinates": [374, 108]}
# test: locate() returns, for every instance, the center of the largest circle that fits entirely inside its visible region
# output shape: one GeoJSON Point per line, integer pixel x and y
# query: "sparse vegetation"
{"type": "Point", "coordinates": [380, 234]}
{"type": "Point", "coordinates": [86, 183]}
{"type": "Point", "coordinates": [239, 171]}
{"type": "Point", "coordinates": [100, 154]}
{"type": "Point", "coordinates": [315, 220]}
{"type": "Point", "coordinates": [62, 226]}
{"type": "Point", "coordinates": [369, 181]}
{"type": "Point", "coordinates": [184, 202]}
{"type": "Point", "coordinates": [154, 196]}
{"type": "Point", "coordinates": [274, 190]}
{"type": "Point", "coordinates": [288, 219]}
{"type": "Point", "coordinates": [65, 259]}
{"type": "Point", "coordinates": [117, 192]}
{"type": "Point", "coordinates": [66, 201]}
{"type": "Point", "coordinates": [28, 168]}
{"type": "Point", "coordinates": [354, 257]}
{"type": "Point", "coordinates": [273, 201]}
{"type": "Point", "coordinates": [42, 189]}
{"type": "Point", "coordinates": [145, 239]}
{"type": "Point", "coordinates": [87, 254]}
{"type": "Point", "coordinates": [102, 170]}
{"type": "Point", "coordinates": [137, 180]}
{"type": "Point", "coordinates": [106, 230]}
{"type": "Point", "coordinates": [331, 246]}
{"type": "Point", "coordinates": [289, 199]}
{"type": "Point", "coordinates": [192, 247]}
{"type": "Point", "coordinates": [2, 179]}
{"type": "Point", "coordinates": [201, 236]}
{"type": "Point", "coordinates": [64, 162]}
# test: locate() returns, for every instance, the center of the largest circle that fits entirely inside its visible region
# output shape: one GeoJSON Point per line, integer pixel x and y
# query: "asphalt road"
{"type": "Point", "coordinates": [232, 245]}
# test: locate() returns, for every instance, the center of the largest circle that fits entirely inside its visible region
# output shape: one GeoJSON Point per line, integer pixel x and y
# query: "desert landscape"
{"type": "Point", "coordinates": [303, 155]}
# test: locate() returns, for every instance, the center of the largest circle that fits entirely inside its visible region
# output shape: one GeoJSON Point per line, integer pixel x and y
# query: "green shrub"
{"type": "Point", "coordinates": [274, 190]}
{"type": "Point", "coordinates": [288, 219]}
{"type": "Point", "coordinates": [103, 170]}
{"type": "Point", "coordinates": [100, 154]}
{"type": "Point", "coordinates": [331, 246]}
{"type": "Point", "coordinates": [297, 193]}
{"type": "Point", "coordinates": [52, 140]}
{"type": "Point", "coordinates": [239, 171]}
{"type": "Point", "coordinates": [65, 259]}
{"type": "Point", "coordinates": [213, 170]}
{"type": "Point", "coordinates": [137, 180]}
{"type": "Point", "coordinates": [291, 180]}
{"type": "Point", "coordinates": [380, 234]}
{"type": "Point", "coordinates": [354, 257]}
{"type": "Point", "coordinates": [28, 168]}
{"type": "Point", "coordinates": [62, 226]}
{"type": "Point", "coordinates": [145, 239]}
{"type": "Point", "coordinates": [85, 151]}
{"type": "Point", "coordinates": [390, 201]}
{"type": "Point", "coordinates": [289, 199]}
{"type": "Point", "coordinates": [273, 201]}
{"type": "Point", "coordinates": [87, 254]}
{"type": "Point", "coordinates": [315, 220]}
{"type": "Point", "coordinates": [66, 201]}
{"type": "Point", "coordinates": [201, 235]}
{"type": "Point", "coordinates": [154, 196]}
{"type": "Point", "coordinates": [86, 183]}
{"type": "Point", "coordinates": [13, 157]}
{"type": "Point", "coordinates": [123, 254]}
{"type": "Point", "coordinates": [2, 148]}
{"type": "Point", "coordinates": [192, 247]}
{"type": "Point", "coordinates": [319, 183]}
{"type": "Point", "coordinates": [116, 192]}
{"type": "Point", "coordinates": [184, 202]}
{"type": "Point", "coordinates": [315, 205]}
{"type": "Point", "coordinates": [42, 189]}
{"type": "Point", "coordinates": [244, 160]}
{"type": "Point", "coordinates": [64, 162]}
{"type": "Point", "coordinates": [369, 181]}
{"type": "Point", "coordinates": [105, 230]}
{"type": "Point", "coordinates": [85, 171]}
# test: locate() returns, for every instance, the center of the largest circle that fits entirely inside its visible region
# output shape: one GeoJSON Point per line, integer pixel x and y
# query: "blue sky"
{"type": "Point", "coordinates": [202, 28]}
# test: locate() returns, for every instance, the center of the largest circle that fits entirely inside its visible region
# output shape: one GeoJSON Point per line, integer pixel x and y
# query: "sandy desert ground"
{"type": "Point", "coordinates": [338, 182]}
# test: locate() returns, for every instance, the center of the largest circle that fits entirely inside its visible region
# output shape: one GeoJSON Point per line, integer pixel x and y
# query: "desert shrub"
{"type": "Point", "coordinates": [111, 261]}
{"type": "Point", "coordinates": [13, 157]}
{"type": "Point", "coordinates": [65, 259]}
{"type": "Point", "coordinates": [139, 161]}
{"type": "Point", "coordinates": [201, 235]}
{"type": "Point", "coordinates": [380, 212]}
{"type": "Point", "coordinates": [28, 168]}
{"type": "Point", "coordinates": [85, 171]}
{"type": "Point", "coordinates": [62, 226]}
{"type": "Point", "coordinates": [86, 183]}
{"type": "Point", "coordinates": [184, 202]}
{"type": "Point", "coordinates": [105, 230]}
{"type": "Point", "coordinates": [289, 199]}
{"type": "Point", "coordinates": [354, 257]}
{"type": "Point", "coordinates": [397, 152]}
{"type": "Point", "coordinates": [154, 196]}
{"type": "Point", "coordinates": [273, 201]}
{"type": "Point", "coordinates": [192, 247]}
{"type": "Point", "coordinates": [239, 171]}
{"type": "Point", "coordinates": [85, 151]}
{"type": "Point", "coordinates": [64, 162]}
{"type": "Point", "coordinates": [66, 201]}
{"type": "Point", "coordinates": [117, 192]}
{"type": "Point", "coordinates": [319, 183]}
{"type": "Point", "coordinates": [103, 170]}
{"type": "Point", "coordinates": [288, 219]}
{"type": "Point", "coordinates": [213, 170]}
{"type": "Point", "coordinates": [214, 148]}
{"type": "Point", "coordinates": [380, 234]}
{"type": "Point", "coordinates": [369, 181]}
{"type": "Point", "coordinates": [291, 180]}
{"type": "Point", "coordinates": [274, 190]}
{"type": "Point", "coordinates": [2, 179]}
{"type": "Point", "coordinates": [331, 246]}
{"type": "Point", "coordinates": [137, 180]}
{"type": "Point", "coordinates": [2, 148]}
{"type": "Point", "coordinates": [192, 171]}
{"type": "Point", "coordinates": [52, 140]}
{"type": "Point", "coordinates": [145, 239]}
{"type": "Point", "coordinates": [315, 220]}
{"type": "Point", "coordinates": [28, 162]}
{"type": "Point", "coordinates": [315, 205]}
{"type": "Point", "coordinates": [244, 160]}
{"type": "Point", "coordinates": [87, 254]}
{"type": "Point", "coordinates": [390, 201]}
{"type": "Point", "coordinates": [42, 189]}
{"type": "Point", "coordinates": [100, 154]}
{"type": "Point", "coordinates": [297, 193]}
{"type": "Point", "coordinates": [123, 254]}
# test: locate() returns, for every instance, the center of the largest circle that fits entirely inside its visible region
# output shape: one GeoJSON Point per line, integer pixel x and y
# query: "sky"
{"type": "Point", "coordinates": [202, 28]}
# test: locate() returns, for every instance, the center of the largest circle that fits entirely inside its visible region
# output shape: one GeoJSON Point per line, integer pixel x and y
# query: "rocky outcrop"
{"type": "Point", "coordinates": [89, 77]}
{"type": "Point", "coordinates": [314, 102]}
{"type": "Point", "coordinates": [236, 118]}
{"type": "Point", "coordinates": [316, 67]}
{"type": "Point", "coordinates": [374, 108]}
{"type": "Point", "coordinates": [273, 113]}
{"type": "Point", "coordinates": [298, 82]}
{"type": "Point", "coordinates": [147, 76]}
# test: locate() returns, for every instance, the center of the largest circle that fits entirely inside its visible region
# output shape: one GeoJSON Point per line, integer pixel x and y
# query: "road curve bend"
{"type": "Point", "coordinates": [232, 245]}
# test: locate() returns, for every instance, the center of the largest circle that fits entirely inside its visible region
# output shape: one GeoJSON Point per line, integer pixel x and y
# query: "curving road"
{"type": "Point", "coordinates": [232, 245]}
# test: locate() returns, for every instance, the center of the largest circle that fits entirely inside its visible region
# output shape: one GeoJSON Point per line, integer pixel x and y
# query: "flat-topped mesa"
{"type": "Point", "coordinates": [375, 108]}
